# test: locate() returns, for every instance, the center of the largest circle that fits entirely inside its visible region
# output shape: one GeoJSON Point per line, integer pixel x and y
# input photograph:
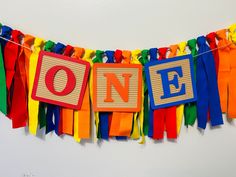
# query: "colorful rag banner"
{"type": "Point", "coordinates": [212, 58]}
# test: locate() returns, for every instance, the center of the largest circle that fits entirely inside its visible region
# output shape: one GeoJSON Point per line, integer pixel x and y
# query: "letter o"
{"type": "Point", "coordinates": [50, 76]}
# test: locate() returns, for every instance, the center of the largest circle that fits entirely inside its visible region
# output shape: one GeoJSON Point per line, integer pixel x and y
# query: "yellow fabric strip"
{"type": "Point", "coordinates": [33, 105]}
{"type": "Point", "coordinates": [136, 131]}
{"type": "Point", "coordinates": [180, 108]}
{"type": "Point", "coordinates": [141, 115]}
{"type": "Point", "coordinates": [85, 122]}
{"type": "Point", "coordinates": [232, 33]}
{"type": "Point", "coordinates": [78, 53]}
{"type": "Point", "coordinates": [84, 117]}
{"type": "Point", "coordinates": [76, 127]}
{"type": "Point", "coordinates": [84, 113]}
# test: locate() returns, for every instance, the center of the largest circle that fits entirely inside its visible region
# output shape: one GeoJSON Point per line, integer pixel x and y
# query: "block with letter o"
{"type": "Point", "coordinates": [60, 80]}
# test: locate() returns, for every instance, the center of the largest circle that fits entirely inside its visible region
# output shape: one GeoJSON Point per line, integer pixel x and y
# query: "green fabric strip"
{"type": "Point", "coordinates": [144, 59]}
{"type": "Point", "coordinates": [190, 109]}
{"type": "Point", "coordinates": [3, 89]}
{"type": "Point", "coordinates": [42, 106]}
{"type": "Point", "coordinates": [98, 59]}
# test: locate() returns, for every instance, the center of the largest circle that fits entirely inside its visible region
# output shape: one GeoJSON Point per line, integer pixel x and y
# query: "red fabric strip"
{"type": "Point", "coordinates": [159, 114]}
{"type": "Point", "coordinates": [17, 90]}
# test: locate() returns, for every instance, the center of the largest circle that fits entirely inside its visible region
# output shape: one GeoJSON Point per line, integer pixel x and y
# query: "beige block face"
{"type": "Point", "coordinates": [156, 82]}
{"type": "Point", "coordinates": [118, 103]}
{"type": "Point", "coordinates": [60, 80]}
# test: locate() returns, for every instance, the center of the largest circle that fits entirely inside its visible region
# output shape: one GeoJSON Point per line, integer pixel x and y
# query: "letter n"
{"type": "Point", "coordinates": [123, 90]}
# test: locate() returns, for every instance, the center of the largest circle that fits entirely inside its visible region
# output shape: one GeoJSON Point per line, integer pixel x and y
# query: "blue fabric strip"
{"type": "Point", "coordinates": [153, 57]}
{"type": "Point", "coordinates": [53, 109]}
{"type": "Point", "coordinates": [121, 137]}
{"type": "Point", "coordinates": [103, 116]}
{"type": "Point", "coordinates": [6, 33]}
{"type": "Point", "coordinates": [207, 88]}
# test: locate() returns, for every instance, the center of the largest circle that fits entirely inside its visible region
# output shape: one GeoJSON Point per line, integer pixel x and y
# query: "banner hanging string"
{"type": "Point", "coordinates": [193, 56]}
{"type": "Point", "coordinates": [8, 40]}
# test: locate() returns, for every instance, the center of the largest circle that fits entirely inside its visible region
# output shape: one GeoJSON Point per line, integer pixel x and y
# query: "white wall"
{"type": "Point", "coordinates": [124, 24]}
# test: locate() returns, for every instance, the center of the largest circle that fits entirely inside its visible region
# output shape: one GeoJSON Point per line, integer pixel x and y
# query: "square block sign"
{"type": "Point", "coordinates": [171, 81]}
{"type": "Point", "coordinates": [117, 87]}
{"type": "Point", "coordinates": [60, 80]}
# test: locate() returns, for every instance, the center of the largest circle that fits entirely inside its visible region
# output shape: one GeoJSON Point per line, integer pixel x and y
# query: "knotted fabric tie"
{"type": "Point", "coordinates": [232, 90]}
{"type": "Point", "coordinates": [172, 129]}
{"type": "Point", "coordinates": [137, 115]}
{"type": "Point", "coordinates": [98, 59]}
{"type": "Point", "coordinates": [173, 51]}
{"type": "Point", "coordinates": [153, 57]}
{"type": "Point", "coordinates": [211, 39]}
{"type": "Point", "coordinates": [113, 121]}
{"type": "Point", "coordinates": [227, 71]}
{"type": "Point", "coordinates": [104, 116]}
{"type": "Point", "coordinates": [224, 68]}
{"type": "Point", "coordinates": [54, 110]}
{"type": "Point", "coordinates": [190, 109]}
{"type": "Point", "coordinates": [98, 56]}
{"type": "Point", "coordinates": [110, 56]}
{"type": "Point", "coordinates": [121, 123]}
{"type": "Point", "coordinates": [232, 33]}
{"type": "Point", "coordinates": [78, 54]}
{"type": "Point", "coordinates": [180, 108]}
{"type": "Point", "coordinates": [3, 90]}
{"type": "Point", "coordinates": [118, 56]}
{"type": "Point", "coordinates": [84, 113]}
{"type": "Point", "coordinates": [143, 60]}
{"type": "Point", "coordinates": [19, 107]}
{"type": "Point", "coordinates": [164, 118]}
{"type": "Point", "coordinates": [207, 89]}
{"type": "Point", "coordinates": [6, 33]}
{"type": "Point", "coordinates": [28, 42]}
{"type": "Point", "coordinates": [67, 114]}
{"type": "Point", "coordinates": [33, 105]}
{"type": "Point", "coordinates": [11, 53]}
{"type": "Point", "coordinates": [42, 106]}
{"type": "Point", "coordinates": [126, 118]}
{"type": "Point", "coordinates": [49, 46]}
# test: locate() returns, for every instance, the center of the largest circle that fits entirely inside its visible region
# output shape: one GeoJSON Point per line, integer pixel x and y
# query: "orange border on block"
{"type": "Point", "coordinates": [109, 65]}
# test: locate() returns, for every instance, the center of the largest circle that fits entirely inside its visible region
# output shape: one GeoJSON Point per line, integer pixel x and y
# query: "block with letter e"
{"type": "Point", "coordinates": [60, 80]}
{"type": "Point", "coordinates": [117, 87]}
{"type": "Point", "coordinates": [171, 81]}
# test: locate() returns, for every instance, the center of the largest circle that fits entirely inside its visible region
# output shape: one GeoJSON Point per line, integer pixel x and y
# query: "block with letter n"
{"type": "Point", "coordinates": [171, 81]}
{"type": "Point", "coordinates": [117, 87]}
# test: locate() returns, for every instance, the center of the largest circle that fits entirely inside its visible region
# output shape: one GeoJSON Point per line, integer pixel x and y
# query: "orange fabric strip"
{"type": "Point", "coordinates": [227, 72]}
{"type": "Point", "coordinates": [224, 68]}
{"type": "Point", "coordinates": [232, 78]}
{"type": "Point", "coordinates": [28, 42]}
{"type": "Point", "coordinates": [126, 122]}
{"type": "Point", "coordinates": [115, 124]}
{"type": "Point", "coordinates": [121, 123]}
{"type": "Point", "coordinates": [67, 115]}
{"type": "Point", "coordinates": [67, 119]}
{"type": "Point", "coordinates": [84, 116]}
{"type": "Point", "coordinates": [84, 112]}
{"type": "Point", "coordinates": [79, 126]}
